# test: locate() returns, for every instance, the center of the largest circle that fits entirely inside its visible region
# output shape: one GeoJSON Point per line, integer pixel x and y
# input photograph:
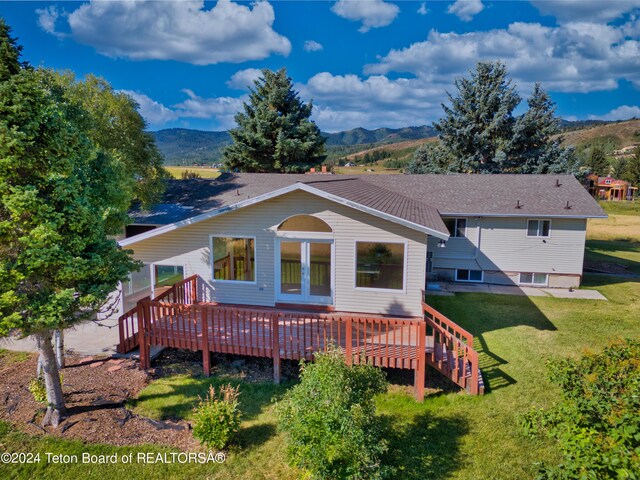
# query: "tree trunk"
{"type": "Point", "coordinates": [59, 337]}
{"type": "Point", "coordinates": [55, 400]}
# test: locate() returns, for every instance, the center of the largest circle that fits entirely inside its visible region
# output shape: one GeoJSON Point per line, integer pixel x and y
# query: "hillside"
{"type": "Point", "coordinates": [181, 146]}
{"type": "Point", "coordinates": [617, 134]}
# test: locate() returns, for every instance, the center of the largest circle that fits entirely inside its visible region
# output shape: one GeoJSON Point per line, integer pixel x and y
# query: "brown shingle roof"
{"type": "Point", "coordinates": [420, 199]}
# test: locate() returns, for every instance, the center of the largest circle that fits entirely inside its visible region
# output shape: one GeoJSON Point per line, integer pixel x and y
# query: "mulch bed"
{"type": "Point", "coordinates": [96, 389]}
{"type": "Point", "coordinates": [95, 392]}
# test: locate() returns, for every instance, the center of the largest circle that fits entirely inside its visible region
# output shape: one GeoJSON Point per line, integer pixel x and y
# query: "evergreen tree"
{"type": "Point", "coordinates": [532, 148]}
{"type": "Point", "coordinates": [631, 170]}
{"type": "Point", "coordinates": [597, 162]}
{"type": "Point", "coordinates": [429, 158]}
{"type": "Point", "coordinates": [10, 52]}
{"type": "Point", "coordinates": [477, 128]}
{"type": "Point", "coordinates": [274, 133]}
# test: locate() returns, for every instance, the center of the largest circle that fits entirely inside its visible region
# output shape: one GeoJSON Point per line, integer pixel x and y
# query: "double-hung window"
{"type": "Point", "coordinates": [234, 259]}
{"type": "Point", "coordinates": [539, 228]}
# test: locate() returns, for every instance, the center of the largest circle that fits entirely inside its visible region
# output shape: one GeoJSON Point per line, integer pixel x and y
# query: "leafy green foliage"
{"type": "Point", "coordinates": [189, 174]}
{"type": "Point", "coordinates": [10, 51]}
{"type": "Point", "coordinates": [597, 424]}
{"type": "Point", "coordinates": [38, 390]}
{"type": "Point", "coordinates": [274, 133]}
{"type": "Point", "coordinates": [630, 170]}
{"type": "Point", "coordinates": [429, 158]}
{"type": "Point", "coordinates": [217, 418]}
{"type": "Point", "coordinates": [329, 420]}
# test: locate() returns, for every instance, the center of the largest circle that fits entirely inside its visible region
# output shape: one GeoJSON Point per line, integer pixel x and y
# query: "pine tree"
{"type": "Point", "coordinates": [10, 51]}
{"type": "Point", "coordinates": [631, 170]}
{"type": "Point", "coordinates": [274, 133]}
{"type": "Point", "coordinates": [429, 158]}
{"type": "Point", "coordinates": [477, 128]}
{"type": "Point", "coordinates": [597, 162]}
{"type": "Point", "coordinates": [532, 148]}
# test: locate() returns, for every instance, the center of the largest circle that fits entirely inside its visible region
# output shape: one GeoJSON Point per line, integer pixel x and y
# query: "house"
{"type": "Point", "coordinates": [282, 266]}
{"type": "Point", "coordinates": [608, 188]}
{"type": "Point", "coordinates": [358, 243]}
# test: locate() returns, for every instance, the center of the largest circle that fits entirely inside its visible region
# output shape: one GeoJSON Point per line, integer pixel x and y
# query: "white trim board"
{"type": "Point", "coordinates": [276, 193]}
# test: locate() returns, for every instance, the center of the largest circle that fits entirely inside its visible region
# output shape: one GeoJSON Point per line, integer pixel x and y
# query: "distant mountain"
{"type": "Point", "coordinates": [182, 146]}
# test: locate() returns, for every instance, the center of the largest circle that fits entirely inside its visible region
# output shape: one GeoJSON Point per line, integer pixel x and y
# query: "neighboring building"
{"type": "Point", "coordinates": [608, 188]}
{"type": "Point", "coordinates": [359, 243]}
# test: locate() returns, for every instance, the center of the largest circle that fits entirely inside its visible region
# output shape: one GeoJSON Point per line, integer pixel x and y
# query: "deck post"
{"type": "Point", "coordinates": [275, 346]}
{"type": "Point", "coordinates": [206, 355]}
{"type": "Point", "coordinates": [194, 290]}
{"type": "Point", "coordinates": [142, 309]}
{"type": "Point", "coordinates": [421, 360]}
{"type": "Point", "coordinates": [349, 342]}
{"type": "Point", "coordinates": [121, 347]}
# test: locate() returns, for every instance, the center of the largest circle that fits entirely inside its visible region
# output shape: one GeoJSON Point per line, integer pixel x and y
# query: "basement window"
{"type": "Point", "coordinates": [469, 275]}
{"type": "Point", "coordinates": [536, 279]}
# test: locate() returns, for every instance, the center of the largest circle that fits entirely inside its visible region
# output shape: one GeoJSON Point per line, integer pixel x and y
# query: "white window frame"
{"type": "Point", "coordinates": [538, 230]}
{"type": "Point", "coordinates": [470, 270]}
{"type": "Point", "coordinates": [404, 265]}
{"type": "Point", "coordinates": [164, 264]}
{"type": "Point", "coordinates": [305, 297]}
{"type": "Point", "coordinates": [533, 276]}
{"type": "Point", "coordinates": [255, 259]}
{"type": "Point", "coordinates": [454, 234]}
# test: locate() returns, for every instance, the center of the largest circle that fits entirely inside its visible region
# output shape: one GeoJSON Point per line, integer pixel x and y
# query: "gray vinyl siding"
{"type": "Point", "coordinates": [505, 247]}
{"type": "Point", "coordinates": [189, 246]}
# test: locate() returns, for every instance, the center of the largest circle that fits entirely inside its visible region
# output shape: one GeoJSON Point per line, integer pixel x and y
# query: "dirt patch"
{"type": "Point", "coordinates": [607, 267]}
{"type": "Point", "coordinates": [95, 399]}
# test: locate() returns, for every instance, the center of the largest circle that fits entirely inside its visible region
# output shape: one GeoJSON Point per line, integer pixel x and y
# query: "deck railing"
{"type": "Point", "coordinates": [184, 292]}
{"type": "Point", "coordinates": [452, 353]}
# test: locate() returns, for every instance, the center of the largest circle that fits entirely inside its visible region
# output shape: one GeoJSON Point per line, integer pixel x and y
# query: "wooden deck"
{"type": "Point", "coordinates": [177, 320]}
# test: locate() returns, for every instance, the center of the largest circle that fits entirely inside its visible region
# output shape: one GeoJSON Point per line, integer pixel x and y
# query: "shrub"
{"type": "Point", "coordinates": [38, 390]}
{"type": "Point", "coordinates": [217, 418]}
{"type": "Point", "coordinates": [329, 420]}
{"type": "Point", "coordinates": [597, 424]}
{"type": "Point", "coordinates": [188, 174]}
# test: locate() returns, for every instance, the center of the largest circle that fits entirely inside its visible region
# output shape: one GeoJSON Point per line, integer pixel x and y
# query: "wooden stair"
{"type": "Point", "coordinates": [450, 351]}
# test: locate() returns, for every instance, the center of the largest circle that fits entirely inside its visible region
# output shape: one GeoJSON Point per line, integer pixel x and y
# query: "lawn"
{"type": "Point", "coordinates": [615, 240]}
{"type": "Point", "coordinates": [450, 435]}
{"type": "Point", "coordinates": [204, 172]}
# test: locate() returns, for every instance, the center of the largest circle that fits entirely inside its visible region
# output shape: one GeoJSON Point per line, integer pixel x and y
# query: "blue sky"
{"type": "Point", "coordinates": [365, 63]}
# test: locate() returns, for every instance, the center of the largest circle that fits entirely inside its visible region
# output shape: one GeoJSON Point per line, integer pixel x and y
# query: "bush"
{"type": "Point", "coordinates": [188, 174]}
{"type": "Point", "coordinates": [38, 389]}
{"type": "Point", "coordinates": [329, 420]}
{"type": "Point", "coordinates": [217, 418]}
{"type": "Point", "coordinates": [597, 424]}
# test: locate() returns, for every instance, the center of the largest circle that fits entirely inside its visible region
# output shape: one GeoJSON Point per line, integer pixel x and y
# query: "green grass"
{"type": "Point", "coordinates": [448, 436]}
{"type": "Point", "coordinates": [621, 208]}
{"type": "Point", "coordinates": [614, 251]}
{"type": "Point", "coordinates": [9, 356]}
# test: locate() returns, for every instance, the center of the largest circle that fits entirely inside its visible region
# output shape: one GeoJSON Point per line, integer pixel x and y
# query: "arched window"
{"type": "Point", "coordinates": [304, 223]}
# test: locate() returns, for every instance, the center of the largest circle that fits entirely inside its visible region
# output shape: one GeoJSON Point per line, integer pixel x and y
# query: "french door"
{"type": "Point", "coordinates": [304, 271]}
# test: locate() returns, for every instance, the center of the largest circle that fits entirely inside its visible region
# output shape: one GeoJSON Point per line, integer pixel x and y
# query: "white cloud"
{"type": "Point", "coordinates": [465, 10]}
{"type": "Point", "coordinates": [372, 13]}
{"type": "Point", "coordinates": [184, 31]}
{"type": "Point", "coordinates": [47, 18]}
{"type": "Point", "coordinates": [153, 112]}
{"type": "Point", "coordinates": [623, 112]}
{"type": "Point", "coordinates": [574, 57]}
{"type": "Point", "coordinates": [423, 9]}
{"type": "Point", "coordinates": [220, 109]}
{"type": "Point", "coordinates": [312, 46]}
{"type": "Point", "coordinates": [243, 79]}
{"type": "Point", "coordinates": [585, 10]}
